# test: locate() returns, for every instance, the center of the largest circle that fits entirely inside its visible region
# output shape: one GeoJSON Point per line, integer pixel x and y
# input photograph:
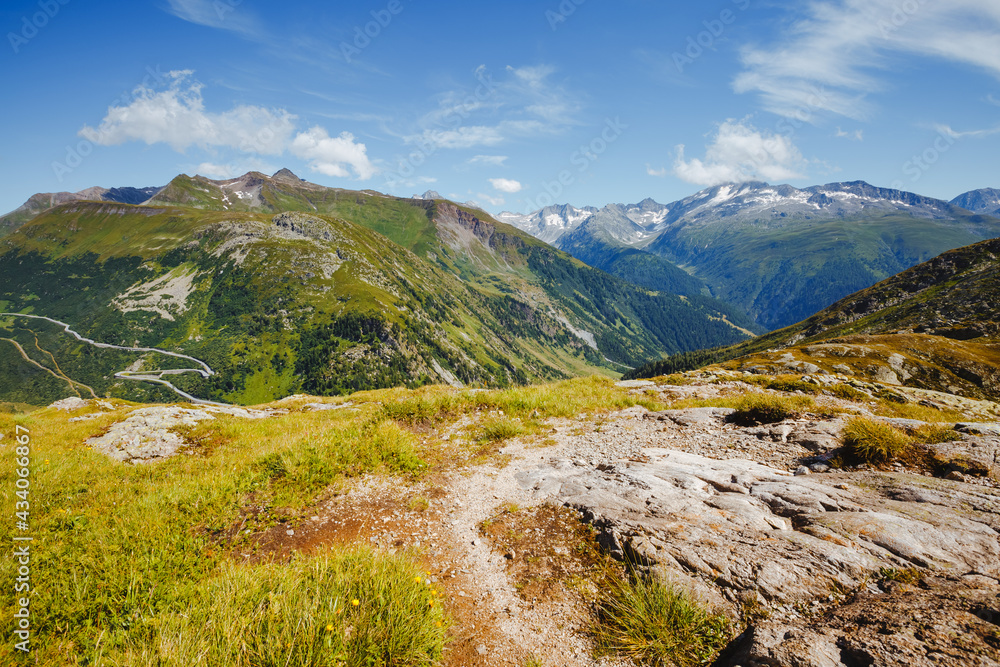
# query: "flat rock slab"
{"type": "Point", "coordinates": [948, 622]}
{"type": "Point", "coordinates": [746, 527]}
{"type": "Point", "coordinates": [978, 429]}
{"type": "Point", "coordinates": [694, 416]}
{"type": "Point", "coordinates": [147, 433]}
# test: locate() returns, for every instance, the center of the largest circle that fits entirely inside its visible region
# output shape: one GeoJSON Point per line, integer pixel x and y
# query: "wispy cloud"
{"type": "Point", "coordinates": [216, 14]}
{"type": "Point", "coordinates": [526, 102]}
{"type": "Point", "coordinates": [739, 152]}
{"type": "Point", "coordinates": [947, 131]}
{"type": "Point", "coordinates": [656, 172]}
{"type": "Point", "coordinates": [856, 135]}
{"type": "Point", "coordinates": [833, 59]}
{"type": "Point", "coordinates": [177, 117]}
{"type": "Point", "coordinates": [492, 201]}
{"type": "Point", "coordinates": [492, 160]}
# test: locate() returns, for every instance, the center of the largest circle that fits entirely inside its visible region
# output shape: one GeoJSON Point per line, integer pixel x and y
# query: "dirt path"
{"type": "Point", "coordinates": [440, 519]}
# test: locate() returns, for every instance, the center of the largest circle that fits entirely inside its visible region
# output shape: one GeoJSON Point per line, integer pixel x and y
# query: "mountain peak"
{"type": "Point", "coordinates": [286, 174]}
{"type": "Point", "coordinates": [430, 194]}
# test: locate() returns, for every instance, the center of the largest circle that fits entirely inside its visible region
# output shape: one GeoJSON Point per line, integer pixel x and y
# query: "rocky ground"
{"type": "Point", "coordinates": [817, 566]}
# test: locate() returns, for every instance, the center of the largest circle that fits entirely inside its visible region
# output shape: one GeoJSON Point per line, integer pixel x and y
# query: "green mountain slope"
{"type": "Point", "coordinates": [362, 291]}
{"type": "Point", "coordinates": [934, 326]}
{"type": "Point", "coordinates": [784, 272]}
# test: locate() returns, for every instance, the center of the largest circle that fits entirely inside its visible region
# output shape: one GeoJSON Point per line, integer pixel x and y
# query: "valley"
{"type": "Point", "coordinates": [383, 398]}
{"type": "Point", "coordinates": [778, 253]}
{"type": "Point", "coordinates": [365, 291]}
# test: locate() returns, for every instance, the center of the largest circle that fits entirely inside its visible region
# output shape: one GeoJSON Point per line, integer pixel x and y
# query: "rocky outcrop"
{"type": "Point", "coordinates": [752, 529]}
{"type": "Point", "coordinates": [150, 434]}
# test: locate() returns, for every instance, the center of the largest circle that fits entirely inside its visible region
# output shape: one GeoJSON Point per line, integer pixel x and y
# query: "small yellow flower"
{"type": "Point", "coordinates": [46, 461]}
{"type": "Point", "coordinates": [329, 628]}
{"type": "Point", "coordinates": [355, 602]}
{"type": "Point", "coordinates": [438, 624]}
{"type": "Point", "coordinates": [430, 603]}
{"type": "Point", "coordinates": [417, 579]}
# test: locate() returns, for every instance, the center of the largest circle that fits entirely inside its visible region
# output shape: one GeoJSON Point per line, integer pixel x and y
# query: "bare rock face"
{"type": "Point", "coordinates": [973, 455]}
{"type": "Point", "coordinates": [304, 225]}
{"type": "Point", "coordinates": [750, 529]}
{"type": "Point", "coordinates": [941, 621]}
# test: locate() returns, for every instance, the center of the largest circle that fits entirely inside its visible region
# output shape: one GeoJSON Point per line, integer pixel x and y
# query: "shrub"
{"type": "Point", "coordinates": [874, 442]}
{"type": "Point", "coordinates": [760, 408]}
{"type": "Point", "coordinates": [656, 624]}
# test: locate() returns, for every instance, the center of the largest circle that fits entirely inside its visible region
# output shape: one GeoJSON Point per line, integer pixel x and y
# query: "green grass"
{"type": "Point", "coordinates": [122, 552]}
{"type": "Point", "coordinates": [567, 399]}
{"type": "Point", "coordinates": [874, 442]}
{"type": "Point", "coordinates": [350, 608]}
{"type": "Point", "coordinates": [933, 434]}
{"type": "Point", "coordinates": [498, 429]}
{"type": "Point", "coordinates": [789, 383]}
{"type": "Point", "coordinates": [761, 408]}
{"type": "Point", "coordinates": [655, 624]}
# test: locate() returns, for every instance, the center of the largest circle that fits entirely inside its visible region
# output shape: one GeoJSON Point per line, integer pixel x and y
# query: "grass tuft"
{"type": "Point", "coordinates": [874, 442]}
{"type": "Point", "coordinates": [760, 408]}
{"type": "Point", "coordinates": [498, 429]}
{"type": "Point", "coordinates": [655, 624]}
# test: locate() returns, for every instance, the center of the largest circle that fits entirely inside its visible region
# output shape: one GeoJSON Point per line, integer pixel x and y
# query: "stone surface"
{"type": "Point", "coordinates": [148, 434]}
{"type": "Point", "coordinates": [70, 404]}
{"type": "Point", "coordinates": [747, 527]}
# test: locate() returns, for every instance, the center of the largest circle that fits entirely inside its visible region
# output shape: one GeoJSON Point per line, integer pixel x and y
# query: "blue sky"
{"type": "Point", "coordinates": [514, 105]}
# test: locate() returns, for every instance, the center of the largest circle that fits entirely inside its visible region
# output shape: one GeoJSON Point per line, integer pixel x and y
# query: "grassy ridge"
{"type": "Point", "coordinates": [326, 304]}
{"type": "Point", "coordinates": [784, 272]}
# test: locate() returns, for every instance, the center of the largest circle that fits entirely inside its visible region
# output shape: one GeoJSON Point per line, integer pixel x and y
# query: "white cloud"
{"type": "Point", "coordinates": [233, 169]}
{"type": "Point", "coordinates": [856, 135]}
{"type": "Point", "coordinates": [492, 160]}
{"type": "Point", "coordinates": [656, 172]}
{"type": "Point", "coordinates": [214, 14]}
{"type": "Point", "coordinates": [833, 59]}
{"type": "Point", "coordinates": [177, 117]}
{"type": "Point", "coordinates": [968, 134]}
{"type": "Point", "coordinates": [506, 185]}
{"type": "Point", "coordinates": [526, 103]}
{"type": "Point", "coordinates": [492, 201]}
{"type": "Point", "coordinates": [332, 155]}
{"type": "Point", "coordinates": [739, 152]}
{"type": "Point", "coordinates": [463, 137]}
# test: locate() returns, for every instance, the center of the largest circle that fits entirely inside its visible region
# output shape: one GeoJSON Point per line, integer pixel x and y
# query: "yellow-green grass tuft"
{"type": "Point", "coordinates": [761, 408]}
{"type": "Point", "coordinates": [871, 441]}
{"type": "Point", "coordinates": [655, 624]}
{"type": "Point", "coordinates": [351, 607]}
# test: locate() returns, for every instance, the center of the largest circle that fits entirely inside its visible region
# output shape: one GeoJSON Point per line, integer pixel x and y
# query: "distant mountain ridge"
{"type": "Point", "coordinates": [779, 252]}
{"type": "Point", "coordinates": [933, 326]}
{"type": "Point", "coordinates": [41, 202]}
{"type": "Point", "coordinates": [282, 285]}
{"type": "Point", "coordinates": [985, 201]}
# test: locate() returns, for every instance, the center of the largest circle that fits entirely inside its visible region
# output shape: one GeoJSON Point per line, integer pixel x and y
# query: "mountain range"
{"type": "Point", "coordinates": [934, 326]}
{"type": "Point", "coordinates": [778, 252]}
{"type": "Point", "coordinates": [281, 286]}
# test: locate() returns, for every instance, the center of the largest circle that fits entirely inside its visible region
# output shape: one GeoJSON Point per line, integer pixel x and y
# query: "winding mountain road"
{"type": "Point", "coordinates": [155, 376]}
